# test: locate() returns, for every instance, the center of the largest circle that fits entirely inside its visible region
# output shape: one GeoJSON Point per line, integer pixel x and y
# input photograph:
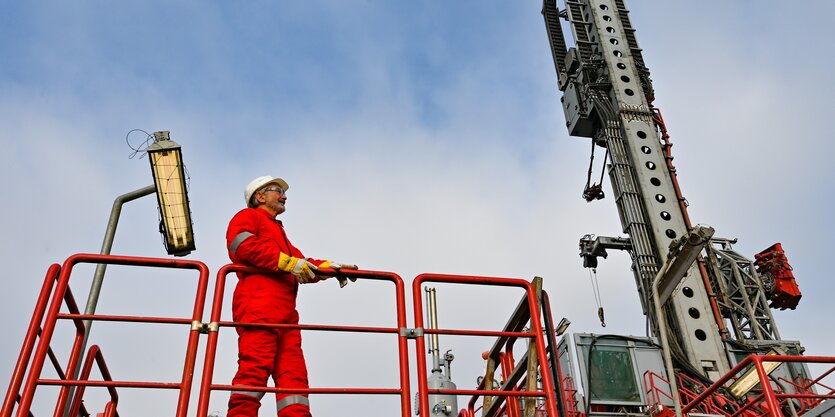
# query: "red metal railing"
{"type": "Point", "coordinates": [211, 349]}
{"type": "Point", "coordinates": [33, 333]}
{"type": "Point", "coordinates": [34, 330]}
{"type": "Point", "coordinates": [60, 292]}
{"type": "Point", "coordinates": [535, 333]}
{"type": "Point", "coordinates": [567, 407]}
{"type": "Point", "coordinates": [508, 364]}
{"type": "Point", "coordinates": [570, 399]}
{"type": "Point", "coordinates": [717, 404]}
{"type": "Point", "coordinates": [56, 292]}
{"type": "Point", "coordinates": [94, 355]}
{"type": "Point", "coordinates": [13, 394]}
{"type": "Point", "coordinates": [808, 386]}
{"type": "Point", "coordinates": [801, 394]}
{"type": "Point", "coordinates": [768, 401]}
{"type": "Point", "coordinates": [654, 390]}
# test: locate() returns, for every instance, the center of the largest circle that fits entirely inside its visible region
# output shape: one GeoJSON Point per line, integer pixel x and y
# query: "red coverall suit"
{"type": "Point", "coordinates": [255, 238]}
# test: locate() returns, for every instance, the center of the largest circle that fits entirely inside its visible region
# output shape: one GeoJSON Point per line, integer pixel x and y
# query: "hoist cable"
{"type": "Point", "coordinates": [603, 166]}
{"type": "Point", "coordinates": [595, 287]}
{"type": "Point", "coordinates": [591, 165]}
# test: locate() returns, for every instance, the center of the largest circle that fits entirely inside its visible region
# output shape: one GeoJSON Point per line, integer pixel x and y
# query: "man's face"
{"type": "Point", "coordinates": [272, 199]}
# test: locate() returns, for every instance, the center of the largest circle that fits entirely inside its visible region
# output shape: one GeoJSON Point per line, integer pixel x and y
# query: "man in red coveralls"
{"type": "Point", "coordinates": [256, 238]}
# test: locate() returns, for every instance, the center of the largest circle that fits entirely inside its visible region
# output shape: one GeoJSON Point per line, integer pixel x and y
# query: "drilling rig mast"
{"type": "Point", "coordinates": [608, 97]}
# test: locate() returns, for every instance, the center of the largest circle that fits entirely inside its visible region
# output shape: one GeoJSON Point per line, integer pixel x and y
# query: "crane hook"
{"type": "Point", "coordinates": [600, 315]}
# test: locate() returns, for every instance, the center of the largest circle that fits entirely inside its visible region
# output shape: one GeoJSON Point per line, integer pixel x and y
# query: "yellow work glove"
{"type": "Point", "coordinates": [300, 268]}
{"type": "Point", "coordinates": [343, 281]}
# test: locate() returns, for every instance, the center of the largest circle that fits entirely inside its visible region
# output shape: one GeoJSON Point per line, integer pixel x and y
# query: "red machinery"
{"type": "Point", "coordinates": [774, 270]}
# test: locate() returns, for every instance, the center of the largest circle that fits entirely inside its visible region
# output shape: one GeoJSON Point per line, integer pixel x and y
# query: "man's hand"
{"type": "Point", "coordinates": [300, 268]}
{"type": "Point", "coordinates": [343, 281]}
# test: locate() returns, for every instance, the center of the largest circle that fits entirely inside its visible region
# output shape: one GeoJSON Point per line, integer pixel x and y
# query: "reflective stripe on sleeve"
{"type": "Point", "coordinates": [240, 238]}
{"type": "Point", "coordinates": [290, 400]}
{"type": "Point", "coordinates": [256, 394]}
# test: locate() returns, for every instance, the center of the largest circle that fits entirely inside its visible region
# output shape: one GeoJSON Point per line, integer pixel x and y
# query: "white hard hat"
{"type": "Point", "coordinates": [259, 183]}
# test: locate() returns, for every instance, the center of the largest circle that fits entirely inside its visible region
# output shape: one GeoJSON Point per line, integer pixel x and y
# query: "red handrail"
{"type": "Point", "coordinates": [62, 290]}
{"type": "Point", "coordinates": [215, 324]}
{"type": "Point", "coordinates": [19, 371]}
{"type": "Point", "coordinates": [548, 318]}
{"type": "Point", "coordinates": [35, 331]}
{"type": "Point", "coordinates": [507, 364]}
{"type": "Point", "coordinates": [93, 355]}
{"type": "Point", "coordinates": [56, 292]}
{"type": "Point", "coordinates": [654, 392]}
{"type": "Point", "coordinates": [767, 394]}
{"type": "Point", "coordinates": [569, 398]}
{"type": "Point", "coordinates": [536, 333]}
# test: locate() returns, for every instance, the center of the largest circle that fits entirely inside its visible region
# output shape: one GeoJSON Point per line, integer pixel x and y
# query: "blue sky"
{"type": "Point", "coordinates": [416, 137]}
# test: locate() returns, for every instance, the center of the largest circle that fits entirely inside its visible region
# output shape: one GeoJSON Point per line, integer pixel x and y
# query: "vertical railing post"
{"type": "Point", "coordinates": [420, 350]}
{"type": "Point", "coordinates": [43, 343]}
{"type": "Point", "coordinates": [211, 341]}
{"type": "Point", "coordinates": [402, 347]}
{"type": "Point", "coordinates": [768, 391]}
{"type": "Point", "coordinates": [556, 370]}
{"type": "Point", "coordinates": [536, 328]}
{"type": "Point", "coordinates": [193, 340]}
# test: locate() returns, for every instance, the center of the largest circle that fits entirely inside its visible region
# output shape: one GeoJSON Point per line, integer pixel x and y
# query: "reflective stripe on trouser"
{"type": "Point", "coordinates": [264, 353]}
{"type": "Point", "coordinates": [279, 405]}
{"type": "Point", "coordinates": [290, 400]}
{"type": "Point", "coordinates": [254, 394]}
{"type": "Point", "coordinates": [240, 238]}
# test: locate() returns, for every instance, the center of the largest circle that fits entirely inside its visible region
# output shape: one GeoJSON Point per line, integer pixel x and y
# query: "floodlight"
{"type": "Point", "coordinates": [172, 194]}
{"type": "Point", "coordinates": [751, 378]}
{"type": "Point", "coordinates": [562, 326]}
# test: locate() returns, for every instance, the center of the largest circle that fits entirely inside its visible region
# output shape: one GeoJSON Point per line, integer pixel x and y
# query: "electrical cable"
{"type": "Point", "coordinates": [141, 149]}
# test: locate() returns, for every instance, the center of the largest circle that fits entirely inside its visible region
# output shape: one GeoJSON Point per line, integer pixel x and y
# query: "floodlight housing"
{"type": "Point", "coordinates": [172, 194]}
{"type": "Point", "coordinates": [562, 327]}
{"type": "Point", "coordinates": [751, 378]}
